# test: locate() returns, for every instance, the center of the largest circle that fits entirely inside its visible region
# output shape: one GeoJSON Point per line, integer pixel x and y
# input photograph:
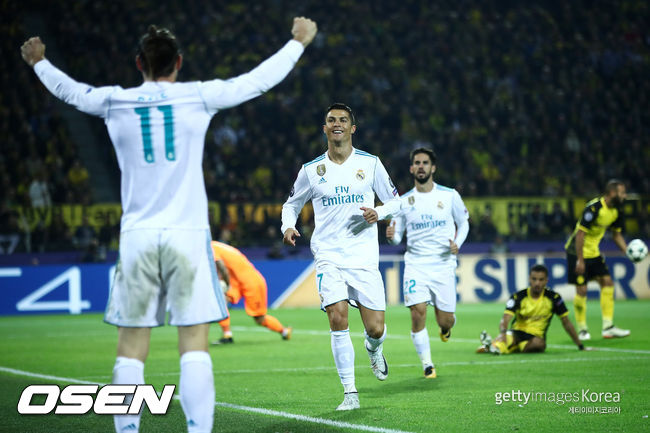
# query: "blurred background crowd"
{"type": "Point", "coordinates": [540, 99]}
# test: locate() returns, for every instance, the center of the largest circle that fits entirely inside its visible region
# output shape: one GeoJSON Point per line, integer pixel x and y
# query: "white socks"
{"type": "Point", "coordinates": [421, 343]}
{"type": "Point", "coordinates": [374, 343]}
{"type": "Point", "coordinates": [197, 391]}
{"type": "Point", "coordinates": [343, 352]}
{"type": "Point", "coordinates": [127, 371]}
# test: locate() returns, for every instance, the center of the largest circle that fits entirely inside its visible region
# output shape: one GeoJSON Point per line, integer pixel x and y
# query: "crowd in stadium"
{"type": "Point", "coordinates": [517, 99]}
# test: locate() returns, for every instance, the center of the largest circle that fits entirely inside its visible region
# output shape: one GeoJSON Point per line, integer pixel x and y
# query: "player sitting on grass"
{"type": "Point", "coordinates": [532, 309]}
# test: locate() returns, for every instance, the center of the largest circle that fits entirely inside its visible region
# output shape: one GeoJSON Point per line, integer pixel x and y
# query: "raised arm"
{"type": "Point", "coordinates": [86, 98]}
{"type": "Point", "coordinates": [219, 94]}
{"type": "Point", "coordinates": [33, 51]}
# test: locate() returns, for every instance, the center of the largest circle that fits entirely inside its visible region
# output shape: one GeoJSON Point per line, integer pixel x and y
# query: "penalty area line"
{"type": "Point", "coordinates": [258, 410]}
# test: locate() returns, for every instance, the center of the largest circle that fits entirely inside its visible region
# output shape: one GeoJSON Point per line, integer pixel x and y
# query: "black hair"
{"type": "Point", "coordinates": [539, 268]}
{"type": "Point", "coordinates": [612, 185]}
{"type": "Point", "coordinates": [158, 50]}
{"type": "Point", "coordinates": [341, 106]}
{"type": "Point", "coordinates": [426, 150]}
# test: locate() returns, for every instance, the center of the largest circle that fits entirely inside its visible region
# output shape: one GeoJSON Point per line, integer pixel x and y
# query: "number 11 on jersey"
{"type": "Point", "coordinates": [145, 127]}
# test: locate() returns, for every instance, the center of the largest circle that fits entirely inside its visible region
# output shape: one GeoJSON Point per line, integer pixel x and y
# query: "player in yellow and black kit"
{"type": "Point", "coordinates": [585, 263]}
{"type": "Point", "coordinates": [530, 311]}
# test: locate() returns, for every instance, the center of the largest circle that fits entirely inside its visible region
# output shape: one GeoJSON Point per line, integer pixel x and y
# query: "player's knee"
{"type": "Point", "coordinates": [338, 322]}
{"type": "Point", "coordinates": [535, 345]}
{"type": "Point", "coordinates": [375, 330]}
{"type": "Point", "coordinates": [259, 319]}
{"type": "Point", "coordinates": [605, 281]}
{"type": "Point", "coordinates": [446, 322]}
{"type": "Point", "coordinates": [418, 313]}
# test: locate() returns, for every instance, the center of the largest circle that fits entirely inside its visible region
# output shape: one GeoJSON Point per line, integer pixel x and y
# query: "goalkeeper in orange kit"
{"type": "Point", "coordinates": [242, 280]}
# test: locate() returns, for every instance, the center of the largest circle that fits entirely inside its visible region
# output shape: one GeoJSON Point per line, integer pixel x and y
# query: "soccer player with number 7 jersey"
{"type": "Point", "coordinates": [166, 263]}
{"type": "Point", "coordinates": [436, 223]}
{"type": "Point", "coordinates": [341, 184]}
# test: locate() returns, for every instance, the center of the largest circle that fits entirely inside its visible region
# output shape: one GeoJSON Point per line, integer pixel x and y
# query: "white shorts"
{"type": "Point", "coordinates": [434, 284]}
{"type": "Point", "coordinates": [356, 285]}
{"type": "Point", "coordinates": [165, 270]}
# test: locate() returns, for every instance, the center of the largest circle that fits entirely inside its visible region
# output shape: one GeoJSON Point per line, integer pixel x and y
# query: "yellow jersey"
{"type": "Point", "coordinates": [595, 219]}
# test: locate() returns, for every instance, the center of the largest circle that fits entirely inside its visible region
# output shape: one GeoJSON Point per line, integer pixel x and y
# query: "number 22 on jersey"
{"type": "Point", "coordinates": [145, 127]}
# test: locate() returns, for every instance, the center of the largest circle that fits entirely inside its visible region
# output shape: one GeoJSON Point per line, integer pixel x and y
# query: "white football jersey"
{"type": "Point", "coordinates": [430, 220]}
{"type": "Point", "coordinates": [158, 131]}
{"type": "Point", "coordinates": [337, 192]}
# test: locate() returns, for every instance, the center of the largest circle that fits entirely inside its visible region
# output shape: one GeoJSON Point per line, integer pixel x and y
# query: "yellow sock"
{"type": "Point", "coordinates": [580, 309]}
{"type": "Point", "coordinates": [522, 345]}
{"type": "Point", "coordinates": [506, 347]}
{"type": "Point", "coordinates": [607, 305]}
{"type": "Point", "coordinates": [272, 323]}
{"type": "Point", "coordinates": [502, 346]}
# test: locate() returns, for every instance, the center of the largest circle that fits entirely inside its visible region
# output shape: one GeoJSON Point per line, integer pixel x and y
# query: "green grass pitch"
{"type": "Point", "coordinates": [264, 384]}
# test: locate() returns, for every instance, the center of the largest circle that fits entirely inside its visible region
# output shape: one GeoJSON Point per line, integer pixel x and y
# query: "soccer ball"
{"type": "Point", "coordinates": [636, 250]}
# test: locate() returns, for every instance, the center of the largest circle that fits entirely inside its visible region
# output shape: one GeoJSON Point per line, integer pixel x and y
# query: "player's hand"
{"type": "Point", "coordinates": [586, 349]}
{"type": "Point", "coordinates": [303, 30]}
{"type": "Point", "coordinates": [33, 50]}
{"type": "Point", "coordinates": [290, 236]}
{"type": "Point", "coordinates": [390, 230]}
{"type": "Point", "coordinates": [370, 215]}
{"type": "Point", "coordinates": [453, 248]}
{"type": "Point", "coordinates": [580, 267]}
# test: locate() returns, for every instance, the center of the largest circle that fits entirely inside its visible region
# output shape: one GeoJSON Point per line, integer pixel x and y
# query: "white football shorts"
{"type": "Point", "coordinates": [434, 284]}
{"type": "Point", "coordinates": [165, 270]}
{"type": "Point", "coordinates": [356, 285]}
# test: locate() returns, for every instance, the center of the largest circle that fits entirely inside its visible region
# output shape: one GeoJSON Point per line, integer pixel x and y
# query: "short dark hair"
{"type": "Point", "coordinates": [612, 185]}
{"type": "Point", "coordinates": [341, 106]}
{"type": "Point", "coordinates": [539, 268]}
{"type": "Point", "coordinates": [426, 150]}
{"type": "Point", "coordinates": [158, 50]}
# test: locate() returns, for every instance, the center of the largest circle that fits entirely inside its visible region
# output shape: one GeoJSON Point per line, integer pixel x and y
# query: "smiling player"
{"type": "Point", "coordinates": [341, 185]}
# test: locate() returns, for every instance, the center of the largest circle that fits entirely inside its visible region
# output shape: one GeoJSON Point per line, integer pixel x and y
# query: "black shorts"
{"type": "Point", "coordinates": [520, 336]}
{"type": "Point", "coordinates": [595, 267]}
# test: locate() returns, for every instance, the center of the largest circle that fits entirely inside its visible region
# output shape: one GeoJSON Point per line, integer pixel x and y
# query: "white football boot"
{"type": "Point", "coordinates": [378, 362]}
{"type": "Point", "coordinates": [614, 332]}
{"type": "Point", "coordinates": [350, 401]}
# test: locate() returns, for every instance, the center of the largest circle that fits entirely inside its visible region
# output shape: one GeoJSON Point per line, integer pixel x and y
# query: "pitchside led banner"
{"type": "Point", "coordinates": [74, 289]}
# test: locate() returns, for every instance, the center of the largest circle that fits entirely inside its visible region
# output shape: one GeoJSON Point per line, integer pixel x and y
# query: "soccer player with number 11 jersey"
{"type": "Point", "coordinates": [158, 131]}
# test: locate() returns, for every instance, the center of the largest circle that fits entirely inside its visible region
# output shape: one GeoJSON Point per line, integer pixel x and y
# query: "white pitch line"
{"type": "Point", "coordinates": [535, 360]}
{"type": "Point", "coordinates": [323, 421]}
{"type": "Point", "coordinates": [258, 410]}
{"type": "Point", "coordinates": [452, 340]}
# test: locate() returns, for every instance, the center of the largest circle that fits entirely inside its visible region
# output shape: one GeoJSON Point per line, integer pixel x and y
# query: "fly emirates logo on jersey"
{"type": "Point", "coordinates": [427, 222]}
{"type": "Point", "coordinates": [105, 400]}
{"type": "Point", "coordinates": [342, 195]}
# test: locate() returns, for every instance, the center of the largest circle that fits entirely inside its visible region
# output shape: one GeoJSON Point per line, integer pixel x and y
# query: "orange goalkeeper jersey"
{"type": "Point", "coordinates": [245, 280]}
